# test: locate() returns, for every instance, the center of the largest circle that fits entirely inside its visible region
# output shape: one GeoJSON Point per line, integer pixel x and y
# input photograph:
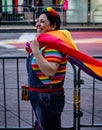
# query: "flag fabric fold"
{"type": "Point", "coordinates": [63, 42]}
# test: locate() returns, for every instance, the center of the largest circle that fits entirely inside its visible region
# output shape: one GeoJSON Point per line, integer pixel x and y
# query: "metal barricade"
{"type": "Point", "coordinates": [18, 114]}
{"type": "Point", "coordinates": [12, 109]}
{"type": "Point", "coordinates": [18, 14]}
{"type": "Point", "coordinates": [89, 98]}
{"type": "Point", "coordinates": [21, 14]}
{"type": "Point", "coordinates": [97, 12]}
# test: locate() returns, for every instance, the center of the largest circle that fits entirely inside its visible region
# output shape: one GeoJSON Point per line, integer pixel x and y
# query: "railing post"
{"type": "Point", "coordinates": [79, 113]}
{"type": "Point", "coordinates": [33, 9]}
{"type": "Point", "coordinates": [3, 64]}
{"type": "Point", "coordinates": [74, 95]}
{"type": "Point", "coordinates": [18, 93]}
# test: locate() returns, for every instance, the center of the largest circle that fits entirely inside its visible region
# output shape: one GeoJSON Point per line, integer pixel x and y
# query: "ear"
{"type": "Point", "coordinates": [54, 26]}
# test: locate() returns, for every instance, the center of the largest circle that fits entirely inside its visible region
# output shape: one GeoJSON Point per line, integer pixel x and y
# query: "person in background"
{"type": "Point", "coordinates": [39, 7]}
{"type": "Point", "coordinates": [28, 5]}
{"type": "Point", "coordinates": [46, 68]}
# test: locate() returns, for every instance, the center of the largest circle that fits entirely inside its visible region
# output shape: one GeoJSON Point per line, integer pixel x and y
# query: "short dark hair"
{"type": "Point", "coordinates": [53, 19]}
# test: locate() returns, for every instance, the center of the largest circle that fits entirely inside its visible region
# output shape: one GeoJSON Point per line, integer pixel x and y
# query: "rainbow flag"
{"type": "Point", "coordinates": [63, 42]}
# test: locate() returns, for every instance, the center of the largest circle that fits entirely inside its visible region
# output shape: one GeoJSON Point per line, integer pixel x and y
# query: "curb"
{"type": "Point", "coordinates": [6, 29]}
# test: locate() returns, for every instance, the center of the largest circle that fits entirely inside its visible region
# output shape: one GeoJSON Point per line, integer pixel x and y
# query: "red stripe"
{"type": "Point", "coordinates": [44, 90]}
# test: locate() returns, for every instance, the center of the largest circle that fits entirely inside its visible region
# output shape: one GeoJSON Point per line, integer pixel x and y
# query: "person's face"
{"type": "Point", "coordinates": [43, 24]}
{"type": "Point", "coordinates": [37, 1]}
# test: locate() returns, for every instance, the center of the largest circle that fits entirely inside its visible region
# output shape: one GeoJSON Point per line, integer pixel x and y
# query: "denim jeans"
{"type": "Point", "coordinates": [48, 108]}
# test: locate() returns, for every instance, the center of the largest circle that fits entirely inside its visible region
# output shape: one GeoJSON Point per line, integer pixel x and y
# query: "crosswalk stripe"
{"type": "Point", "coordinates": [27, 37]}
{"type": "Point", "coordinates": [7, 45]}
{"type": "Point", "coordinates": [21, 40]}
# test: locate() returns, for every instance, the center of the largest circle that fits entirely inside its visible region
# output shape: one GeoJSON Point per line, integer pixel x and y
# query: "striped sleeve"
{"type": "Point", "coordinates": [52, 55]}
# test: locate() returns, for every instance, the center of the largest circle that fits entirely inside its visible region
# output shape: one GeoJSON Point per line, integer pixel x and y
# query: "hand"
{"type": "Point", "coordinates": [28, 48]}
{"type": "Point", "coordinates": [34, 46]}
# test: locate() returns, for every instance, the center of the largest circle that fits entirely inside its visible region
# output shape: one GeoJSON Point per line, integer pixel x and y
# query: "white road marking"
{"type": "Point", "coordinates": [30, 36]}
{"type": "Point", "coordinates": [21, 40]}
{"type": "Point", "coordinates": [27, 37]}
{"type": "Point", "coordinates": [7, 45]}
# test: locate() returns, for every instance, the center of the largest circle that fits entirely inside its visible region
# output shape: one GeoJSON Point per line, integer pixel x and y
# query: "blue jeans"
{"type": "Point", "coordinates": [48, 108]}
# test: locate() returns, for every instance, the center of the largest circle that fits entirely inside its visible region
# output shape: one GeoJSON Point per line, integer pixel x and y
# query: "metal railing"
{"type": "Point", "coordinates": [24, 15]}
{"type": "Point", "coordinates": [18, 15]}
{"type": "Point", "coordinates": [97, 12]}
{"type": "Point", "coordinates": [18, 114]}
{"type": "Point", "coordinates": [13, 75]}
{"type": "Point", "coordinates": [15, 113]}
{"type": "Point", "coordinates": [89, 105]}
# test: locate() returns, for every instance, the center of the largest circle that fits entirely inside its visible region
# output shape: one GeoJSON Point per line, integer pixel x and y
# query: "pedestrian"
{"type": "Point", "coordinates": [40, 3]}
{"type": "Point", "coordinates": [39, 8]}
{"type": "Point", "coordinates": [27, 5]}
{"type": "Point", "coordinates": [46, 69]}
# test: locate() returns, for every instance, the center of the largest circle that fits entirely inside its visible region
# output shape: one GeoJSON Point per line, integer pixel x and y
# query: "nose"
{"type": "Point", "coordinates": [37, 24]}
{"type": "Point", "coordinates": [38, 21]}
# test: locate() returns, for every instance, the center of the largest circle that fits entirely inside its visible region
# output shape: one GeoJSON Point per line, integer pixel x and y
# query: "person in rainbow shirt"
{"type": "Point", "coordinates": [46, 69]}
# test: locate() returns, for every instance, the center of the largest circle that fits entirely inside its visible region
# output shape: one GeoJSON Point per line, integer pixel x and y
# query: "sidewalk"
{"type": "Point", "coordinates": [30, 28]}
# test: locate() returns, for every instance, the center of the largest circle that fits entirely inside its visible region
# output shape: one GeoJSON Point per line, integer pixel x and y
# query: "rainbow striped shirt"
{"type": "Point", "coordinates": [51, 55]}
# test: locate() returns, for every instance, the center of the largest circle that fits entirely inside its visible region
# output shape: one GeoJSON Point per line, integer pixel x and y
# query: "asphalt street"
{"type": "Point", "coordinates": [12, 44]}
{"type": "Point", "coordinates": [87, 42]}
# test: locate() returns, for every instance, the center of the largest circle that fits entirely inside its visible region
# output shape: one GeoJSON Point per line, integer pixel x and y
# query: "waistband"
{"type": "Point", "coordinates": [44, 90]}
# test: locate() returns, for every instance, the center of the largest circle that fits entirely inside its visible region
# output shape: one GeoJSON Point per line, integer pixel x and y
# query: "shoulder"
{"type": "Point", "coordinates": [52, 52]}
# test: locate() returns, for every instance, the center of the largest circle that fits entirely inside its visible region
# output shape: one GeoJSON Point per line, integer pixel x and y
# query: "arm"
{"type": "Point", "coordinates": [48, 68]}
